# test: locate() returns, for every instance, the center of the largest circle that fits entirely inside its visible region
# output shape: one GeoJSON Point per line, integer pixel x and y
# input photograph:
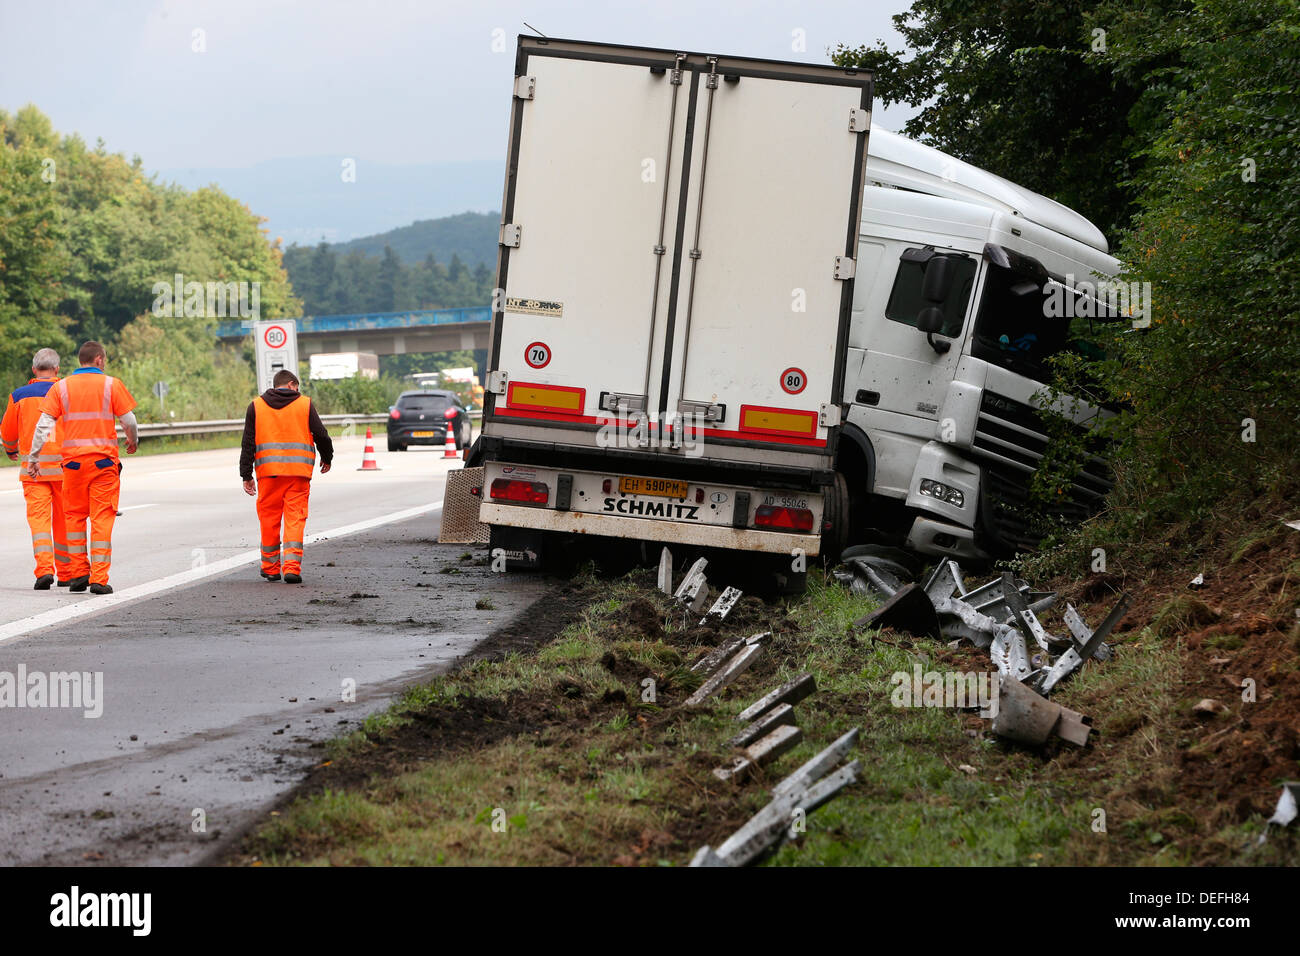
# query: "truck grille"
{"type": "Point", "coordinates": [1011, 439]}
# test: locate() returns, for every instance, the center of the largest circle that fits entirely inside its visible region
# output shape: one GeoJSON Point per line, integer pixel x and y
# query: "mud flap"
{"type": "Point", "coordinates": [522, 549]}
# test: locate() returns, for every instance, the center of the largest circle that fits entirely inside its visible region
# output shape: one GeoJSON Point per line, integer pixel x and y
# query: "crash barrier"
{"type": "Point", "coordinates": [217, 426]}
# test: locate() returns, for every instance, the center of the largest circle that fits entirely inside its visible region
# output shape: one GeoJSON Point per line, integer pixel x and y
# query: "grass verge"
{"type": "Point", "coordinates": [579, 751]}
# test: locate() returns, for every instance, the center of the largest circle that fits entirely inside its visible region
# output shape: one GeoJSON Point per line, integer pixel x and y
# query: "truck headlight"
{"type": "Point", "coordinates": [942, 492]}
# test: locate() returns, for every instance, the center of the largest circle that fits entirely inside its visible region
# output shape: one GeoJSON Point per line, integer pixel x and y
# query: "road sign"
{"type": "Point", "coordinates": [276, 347]}
{"type": "Point", "coordinates": [160, 389]}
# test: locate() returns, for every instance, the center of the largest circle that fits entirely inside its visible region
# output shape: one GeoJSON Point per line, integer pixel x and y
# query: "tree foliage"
{"type": "Point", "coordinates": [1012, 88]}
{"type": "Point", "coordinates": [334, 284]}
{"type": "Point", "coordinates": [85, 235]}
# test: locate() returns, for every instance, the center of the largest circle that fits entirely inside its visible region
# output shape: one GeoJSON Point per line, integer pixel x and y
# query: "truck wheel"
{"type": "Point", "coordinates": [902, 560]}
{"type": "Point", "coordinates": [836, 519]}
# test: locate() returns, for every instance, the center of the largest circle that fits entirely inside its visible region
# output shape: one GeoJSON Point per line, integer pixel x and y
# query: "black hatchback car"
{"type": "Point", "coordinates": [420, 418]}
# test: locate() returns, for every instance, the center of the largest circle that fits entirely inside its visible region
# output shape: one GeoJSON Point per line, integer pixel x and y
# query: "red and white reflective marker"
{"type": "Point", "coordinates": [793, 381]}
{"type": "Point", "coordinates": [275, 336]}
{"type": "Point", "coordinates": [537, 355]}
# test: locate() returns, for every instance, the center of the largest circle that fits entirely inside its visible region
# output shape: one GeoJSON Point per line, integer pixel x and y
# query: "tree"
{"type": "Point", "coordinates": [1011, 87]}
{"type": "Point", "coordinates": [32, 259]}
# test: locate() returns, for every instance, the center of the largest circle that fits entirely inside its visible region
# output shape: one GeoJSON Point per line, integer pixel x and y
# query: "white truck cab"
{"type": "Point", "coordinates": [943, 429]}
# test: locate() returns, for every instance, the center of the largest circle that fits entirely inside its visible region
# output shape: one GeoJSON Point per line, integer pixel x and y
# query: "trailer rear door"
{"type": "Point", "coordinates": [678, 235]}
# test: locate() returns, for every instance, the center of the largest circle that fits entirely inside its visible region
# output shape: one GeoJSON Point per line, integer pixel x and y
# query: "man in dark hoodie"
{"type": "Point", "coordinates": [281, 434]}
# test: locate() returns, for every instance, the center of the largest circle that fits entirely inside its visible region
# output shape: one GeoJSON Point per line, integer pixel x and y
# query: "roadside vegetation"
{"type": "Point", "coordinates": [551, 755]}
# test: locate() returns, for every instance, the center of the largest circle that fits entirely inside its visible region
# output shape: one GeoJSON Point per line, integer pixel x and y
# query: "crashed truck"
{"type": "Point", "coordinates": [732, 314]}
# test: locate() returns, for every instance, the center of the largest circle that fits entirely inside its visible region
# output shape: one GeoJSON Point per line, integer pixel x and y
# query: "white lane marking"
{"type": "Point", "coordinates": [11, 492]}
{"type": "Point", "coordinates": [96, 604]}
{"type": "Point", "coordinates": [169, 471]}
{"type": "Point", "coordinates": [152, 504]}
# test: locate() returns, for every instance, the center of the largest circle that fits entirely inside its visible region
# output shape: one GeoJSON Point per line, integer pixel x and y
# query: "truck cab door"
{"type": "Point", "coordinates": [901, 371]}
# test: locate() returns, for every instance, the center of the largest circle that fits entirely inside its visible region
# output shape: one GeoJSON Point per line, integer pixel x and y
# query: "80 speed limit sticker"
{"type": "Point", "coordinates": [793, 381]}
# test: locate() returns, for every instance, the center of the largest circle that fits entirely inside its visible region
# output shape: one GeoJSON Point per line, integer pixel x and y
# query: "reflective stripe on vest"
{"type": "Point", "coordinates": [88, 414]}
{"type": "Point", "coordinates": [282, 439]}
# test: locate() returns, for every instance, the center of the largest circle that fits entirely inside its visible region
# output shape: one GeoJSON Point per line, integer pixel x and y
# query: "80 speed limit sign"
{"type": "Point", "coordinates": [794, 381]}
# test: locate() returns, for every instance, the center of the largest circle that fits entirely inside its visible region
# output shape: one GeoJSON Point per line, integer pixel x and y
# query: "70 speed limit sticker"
{"type": "Point", "coordinates": [793, 381]}
{"type": "Point", "coordinates": [537, 355]}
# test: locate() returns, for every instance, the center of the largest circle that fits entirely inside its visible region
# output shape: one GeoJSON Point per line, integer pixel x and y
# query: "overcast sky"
{"type": "Point", "coordinates": [390, 81]}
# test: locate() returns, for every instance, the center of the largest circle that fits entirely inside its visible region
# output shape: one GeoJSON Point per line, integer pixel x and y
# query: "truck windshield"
{"type": "Point", "coordinates": [1020, 328]}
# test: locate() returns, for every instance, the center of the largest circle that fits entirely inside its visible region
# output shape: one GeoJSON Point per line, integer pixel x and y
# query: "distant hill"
{"type": "Point", "coordinates": [470, 235]}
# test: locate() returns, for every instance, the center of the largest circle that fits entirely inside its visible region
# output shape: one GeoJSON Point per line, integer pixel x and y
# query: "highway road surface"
{"type": "Point", "coordinates": [216, 684]}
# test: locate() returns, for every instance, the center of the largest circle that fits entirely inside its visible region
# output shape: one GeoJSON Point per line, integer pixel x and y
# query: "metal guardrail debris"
{"type": "Point", "coordinates": [1000, 616]}
{"type": "Point", "coordinates": [812, 785]}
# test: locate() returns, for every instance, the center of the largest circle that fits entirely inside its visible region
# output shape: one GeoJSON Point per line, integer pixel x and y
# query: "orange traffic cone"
{"type": "Point", "coordinates": [368, 462]}
{"type": "Point", "coordinates": [449, 447]}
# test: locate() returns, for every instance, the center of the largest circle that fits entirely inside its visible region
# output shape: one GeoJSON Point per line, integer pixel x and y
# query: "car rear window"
{"type": "Point", "coordinates": [424, 403]}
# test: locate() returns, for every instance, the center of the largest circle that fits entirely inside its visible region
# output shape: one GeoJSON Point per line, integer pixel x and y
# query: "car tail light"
{"type": "Point", "coordinates": [449, 414]}
{"type": "Point", "coordinates": [792, 519]}
{"type": "Point", "coordinates": [394, 414]}
{"type": "Point", "coordinates": [524, 492]}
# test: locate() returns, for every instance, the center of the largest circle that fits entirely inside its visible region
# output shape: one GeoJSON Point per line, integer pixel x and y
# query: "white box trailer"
{"type": "Point", "coordinates": [675, 283]}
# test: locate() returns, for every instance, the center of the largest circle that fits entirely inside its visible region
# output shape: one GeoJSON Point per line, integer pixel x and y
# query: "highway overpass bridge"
{"type": "Point", "coordinates": [387, 333]}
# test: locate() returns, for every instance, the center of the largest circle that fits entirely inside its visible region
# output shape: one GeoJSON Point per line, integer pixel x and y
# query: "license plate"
{"type": "Point", "coordinates": [421, 434]}
{"type": "Point", "coordinates": [653, 486]}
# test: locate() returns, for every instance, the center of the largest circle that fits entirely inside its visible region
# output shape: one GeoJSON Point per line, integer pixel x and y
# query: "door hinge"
{"type": "Point", "coordinates": [706, 411]}
{"type": "Point", "coordinates": [676, 76]}
{"type": "Point", "coordinates": [829, 416]}
{"type": "Point", "coordinates": [859, 120]}
{"type": "Point", "coordinates": [496, 381]}
{"type": "Point", "coordinates": [510, 234]}
{"type": "Point", "coordinates": [621, 403]}
{"type": "Point", "coordinates": [525, 87]}
{"type": "Point", "coordinates": [845, 267]}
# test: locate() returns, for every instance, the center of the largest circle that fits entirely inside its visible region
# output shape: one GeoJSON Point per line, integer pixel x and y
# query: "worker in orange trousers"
{"type": "Point", "coordinates": [281, 435]}
{"type": "Point", "coordinates": [44, 492]}
{"type": "Point", "coordinates": [88, 404]}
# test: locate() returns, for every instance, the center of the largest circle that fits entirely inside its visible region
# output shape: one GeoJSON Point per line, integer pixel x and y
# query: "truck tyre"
{"type": "Point", "coordinates": [901, 560]}
{"type": "Point", "coordinates": [836, 519]}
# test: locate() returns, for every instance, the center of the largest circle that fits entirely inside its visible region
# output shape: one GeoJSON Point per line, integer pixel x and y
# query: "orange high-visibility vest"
{"type": "Point", "coordinates": [282, 442]}
{"type": "Point", "coordinates": [88, 421]}
{"type": "Point", "coordinates": [19, 426]}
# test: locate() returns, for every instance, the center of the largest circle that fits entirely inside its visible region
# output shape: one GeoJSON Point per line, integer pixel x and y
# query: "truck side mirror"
{"type": "Point", "coordinates": [930, 320]}
{"type": "Point", "coordinates": [938, 279]}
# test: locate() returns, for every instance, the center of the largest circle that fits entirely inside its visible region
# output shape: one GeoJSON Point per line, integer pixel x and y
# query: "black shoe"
{"type": "Point", "coordinates": [101, 589]}
{"type": "Point", "coordinates": [64, 584]}
{"type": "Point", "coordinates": [78, 585]}
{"type": "Point", "coordinates": [43, 582]}
{"type": "Point", "coordinates": [270, 577]}
{"type": "Point", "coordinates": [293, 579]}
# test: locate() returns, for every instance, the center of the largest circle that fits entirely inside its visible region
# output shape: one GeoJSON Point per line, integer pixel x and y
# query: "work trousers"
{"type": "Point", "coordinates": [90, 491]}
{"type": "Point", "coordinates": [49, 535]}
{"type": "Point", "coordinates": [282, 500]}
